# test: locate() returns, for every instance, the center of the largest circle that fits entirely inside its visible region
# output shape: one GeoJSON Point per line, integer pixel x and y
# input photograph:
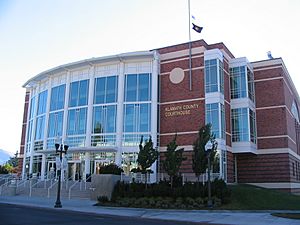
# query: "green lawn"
{"type": "Point", "coordinates": [246, 197]}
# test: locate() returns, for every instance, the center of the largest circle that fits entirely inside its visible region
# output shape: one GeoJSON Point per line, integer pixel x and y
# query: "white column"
{"type": "Point", "coordinates": [120, 109]}
{"type": "Point", "coordinates": [43, 166]}
{"type": "Point", "coordinates": [154, 102]}
{"type": "Point", "coordinates": [25, 145]}
{"type": "Point", "coordinates": [89, 121]}
{"type": "Point", "coordinates": [47, 114]}
{"type": "Point", "coordinates": [65, 119]}
{"type": "Point", "coordinates": [87, 164]}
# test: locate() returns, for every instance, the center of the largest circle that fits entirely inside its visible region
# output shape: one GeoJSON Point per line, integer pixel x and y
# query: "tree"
{"type": "Point", "coordinates": [173, 159]}
{"type": "Point", "coordinates": [13, 161]}
{"type": "Point", "coordinates": [199, 154]}
{"type": "Point", "coordinates": [147, 156]}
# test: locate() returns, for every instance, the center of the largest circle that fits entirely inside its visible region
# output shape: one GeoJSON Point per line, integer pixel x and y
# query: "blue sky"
{"type": "Point", "coordinates": [38, 35]}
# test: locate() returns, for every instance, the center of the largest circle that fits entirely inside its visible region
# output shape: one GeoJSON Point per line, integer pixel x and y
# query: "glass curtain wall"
{"type": "Point", "coordinates": [105, 111]}
{"type": "Point", "coordinates": [40, 121]}
{"type": "Point", "coordinates": [77, 113]}
{"type": "Point", "coordinates": [137, 108]}
{"type": "Point", "coordinates": [55, 124]}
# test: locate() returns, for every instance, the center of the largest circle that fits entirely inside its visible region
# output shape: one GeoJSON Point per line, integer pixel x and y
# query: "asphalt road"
{"type": "Point", "coordinates": [24, 215]}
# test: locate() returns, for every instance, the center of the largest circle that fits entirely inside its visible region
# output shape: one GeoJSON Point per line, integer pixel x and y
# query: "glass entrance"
{"type": "Point", "coordinates": [74, 171]}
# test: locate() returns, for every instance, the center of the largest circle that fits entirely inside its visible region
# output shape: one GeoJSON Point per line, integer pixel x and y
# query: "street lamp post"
{"type": "Point", "coordinates": [208, 149]}
{"type": "Point", "coordinates": [60, 148]}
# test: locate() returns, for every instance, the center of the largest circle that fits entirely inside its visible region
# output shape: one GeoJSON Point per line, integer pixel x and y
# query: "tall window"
{"type": "Point", "coordinates": [104, 119]}
{"type": "Point", "coordinates": [40, 125]}
{"type": "Point", "coordinates": [57, 97]}
{"type": "Point", "coordinates": [137, 118]}
{"type": "Point", "coordinates": [77, 121]}
{"type": "Point", "coordinates": [106, 90]}
{"type": "Point", "coordinates": [137, 87]}
{"type": "Point", "coordinates": [55, 124]}
{"type": "Point", "coordinates": [214, 76]}
{"type": "Point", "coordinates": [78, 93]}
{"type": "Point", "coordinates": [250, 80]}
{"type": "Point", "coordinates": [294, 111]}
{"type": "Point", "coordinates": [214, 114]}
{"type": "Point", "coordinates": [242, 83]}
{"type": "Point", "coordinates": [252, 119]}
{"type": "Point", "coordinates": [241, 131]}
{"type": "Point", "coordinates": [42, 102]}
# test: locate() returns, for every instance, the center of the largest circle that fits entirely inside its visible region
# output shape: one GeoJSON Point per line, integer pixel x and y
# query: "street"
{"type": "Point", "coordinates": [25, 215]}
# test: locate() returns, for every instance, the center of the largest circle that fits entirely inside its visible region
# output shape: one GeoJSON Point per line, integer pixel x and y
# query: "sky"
{"type": "Point", "coordinates": [38, 35]}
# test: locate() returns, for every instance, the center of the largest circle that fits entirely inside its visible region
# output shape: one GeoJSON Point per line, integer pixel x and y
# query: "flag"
{"type": "Point", "coordinates": [197, 28]}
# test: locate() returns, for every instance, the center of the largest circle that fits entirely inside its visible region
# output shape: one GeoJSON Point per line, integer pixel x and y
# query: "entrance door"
{"type": "Point", "coordinates": [74, 171]}
{"type": "Point", "coordinates": [51, 170]}
{"type": "Point", "coordinates": [98, 164]}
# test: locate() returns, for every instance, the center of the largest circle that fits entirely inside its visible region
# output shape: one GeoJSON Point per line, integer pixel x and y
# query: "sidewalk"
{"type": "Point", "coordinates": [213, 217]}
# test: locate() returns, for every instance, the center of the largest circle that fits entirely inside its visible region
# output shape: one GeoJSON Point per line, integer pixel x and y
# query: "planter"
{"type": "Point", "coordinates": [103, 185]}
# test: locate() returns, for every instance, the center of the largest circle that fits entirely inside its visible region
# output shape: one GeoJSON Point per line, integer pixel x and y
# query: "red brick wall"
{"type": "Point", "coordinates": [24, 126]}
{"type": "Point", "coordinates": [230, 167]}
{"type": "Point", "coordinates": [263, 168]}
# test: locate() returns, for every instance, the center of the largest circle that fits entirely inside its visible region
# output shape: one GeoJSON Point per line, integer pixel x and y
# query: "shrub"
{"type": "Point", "coordinates": [111, 169]}
{"type": "Point", "coordinates": [102, 199]}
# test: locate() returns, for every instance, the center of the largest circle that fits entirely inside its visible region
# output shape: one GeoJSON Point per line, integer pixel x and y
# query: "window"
{"type": "Point", "coordinates": [214, 114]}
{"type": "Point", "coordinates": [137, 87]}
{"type": "Point", "coordinates": [104, 119]}
{"type": "Point", "coordinates": [40, 126]}
{"type": "Point", "coordinates": [252, 118]}
{"type": "Point", "coordinates": [55, 124]}
{"type": "Point", "coordinates": [238, 82]}
{"type": "Point", "coordinates": [137, 118]}
{"type": "Point", "coordinates": [32, 108]}
{"type": "Point", "coordinates": [42, 103]}
{"type": "Point", "coordinates": [57, 97]}
{"type": "Point", "coordinates": [294, 111]}
{"type": "Point", "coordinates": [77, 121]}
{"type": "Point", "coordinates": [106, 90]}
{"type": "Point", "coordinates": [242, 86]}
{"type": "Point", "coordinates": [214, 76]}
{"type": "Point", "coordinates": [240, 128]}
{"type": "Point", "coordinates": [250, 79]}
{"type": "Point", "coordinates": [78, 93]}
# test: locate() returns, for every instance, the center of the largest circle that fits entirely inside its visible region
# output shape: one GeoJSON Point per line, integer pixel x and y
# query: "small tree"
{"type": "Point", "coordinates": [199, 156]}
{"type": "Point", "coordinates": [146, 157]}
{"type": "Point", "coordinates": [173, 159]}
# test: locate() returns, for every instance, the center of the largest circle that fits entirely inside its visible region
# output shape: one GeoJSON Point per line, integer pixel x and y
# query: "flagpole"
{"type": "Point", "coordinates": [190, 46]}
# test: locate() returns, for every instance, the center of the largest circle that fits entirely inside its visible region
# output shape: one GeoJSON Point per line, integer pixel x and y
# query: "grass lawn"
{"type": "Point", "coordinates": [247, 197]}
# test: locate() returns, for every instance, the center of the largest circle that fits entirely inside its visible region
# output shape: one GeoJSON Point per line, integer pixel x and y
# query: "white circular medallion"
{"type": "Point", "coordinates": [176, 75]}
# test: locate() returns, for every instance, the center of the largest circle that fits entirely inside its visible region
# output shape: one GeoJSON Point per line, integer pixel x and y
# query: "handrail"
{"type": "Point", "coordinates": [86, 181]}
{"type": "Point", "coordinates": [51, 187]}
{"type": "Point", "coordinates": [70, 188]}
{"type": "Point", "coordinates": [31, 186]}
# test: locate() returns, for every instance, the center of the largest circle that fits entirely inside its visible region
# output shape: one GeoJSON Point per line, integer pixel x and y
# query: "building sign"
{"type": "Point", "coordinates": [180, 110]}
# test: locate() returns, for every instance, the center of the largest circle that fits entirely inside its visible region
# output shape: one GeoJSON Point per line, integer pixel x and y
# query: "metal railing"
{"type": "Point", "coordinates": [34, 185]}
{"type": "Point", "coordinates": [51, 186]}
{"type": "Point", "coordinates": [73, 185]}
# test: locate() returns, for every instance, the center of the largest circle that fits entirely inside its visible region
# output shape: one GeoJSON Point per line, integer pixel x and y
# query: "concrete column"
{"type": "Point", "coordinates": [154, 105]}
{"type": "Point", "coordinates": [89, 123]}
{"type": "Point", "coordinates": [43, 169]}
{"type": "Point", "coordinates": [47, 114]}
{"type": "Point", "coordinates": [120, 116]}
{"type": "Point", "coordinates": [65, 119]}
{"type": "Point", "coordinates": [87, 164]}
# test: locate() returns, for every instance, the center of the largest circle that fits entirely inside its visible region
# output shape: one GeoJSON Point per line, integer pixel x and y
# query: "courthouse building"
{"type": "Point", "coordinates": [101, 107]}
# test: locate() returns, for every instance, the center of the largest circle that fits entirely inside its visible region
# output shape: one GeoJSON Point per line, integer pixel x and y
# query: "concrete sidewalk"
{"type": "Point", "coordinates": [213, 217]}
